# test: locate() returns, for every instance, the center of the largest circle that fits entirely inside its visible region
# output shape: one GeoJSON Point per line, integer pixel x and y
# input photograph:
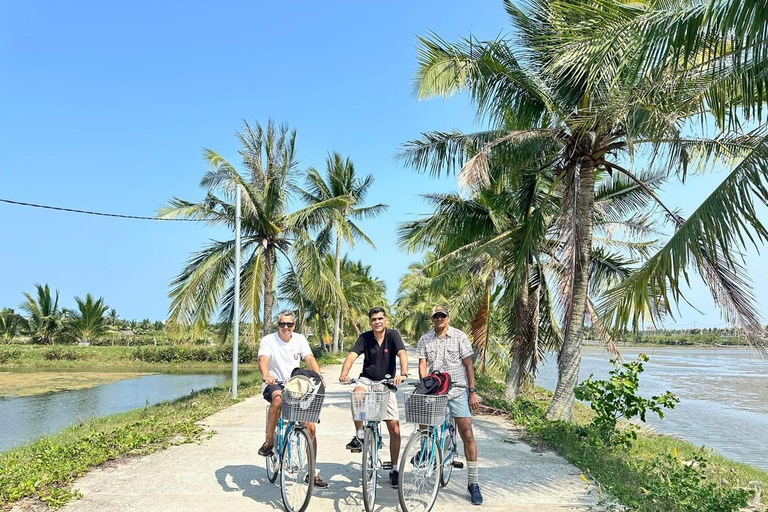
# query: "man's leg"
{"type": "Point", "coordinates": [311, 429]}
{"type": "Point", "coordinates": [394, 440]}
{"type": "Point", "coordinates": [464, 426]}
{"type": "Point", "coordinates": [461, 415]}
{"type": "Point", "coordinates": [359, 396]}
{"type": "Point", "coordinates": [275, 403]}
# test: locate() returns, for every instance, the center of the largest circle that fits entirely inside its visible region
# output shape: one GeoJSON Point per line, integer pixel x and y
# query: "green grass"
{"type": "Point", "coordinates": [45, 469]}
{"type": "Point", "coordinates": [623, 474]}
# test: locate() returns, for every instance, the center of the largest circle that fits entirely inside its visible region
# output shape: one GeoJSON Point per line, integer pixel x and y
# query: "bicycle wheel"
{"type": "Point", "coordinates": [449, 453]}
{"type": "Point", "coordinates": [273, 461]}
{"type": "Point", "coordinates": [419, 473]}
{"type": "Point", "coordinates": [297, 474]}
{"type": "Point", "coordinates": [370, 473]}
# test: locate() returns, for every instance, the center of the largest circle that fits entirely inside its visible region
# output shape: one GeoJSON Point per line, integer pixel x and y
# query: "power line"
{"type": "Point", "coordinates": [101, 214]}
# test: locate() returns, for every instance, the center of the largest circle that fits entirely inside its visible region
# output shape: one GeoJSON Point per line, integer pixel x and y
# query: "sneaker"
{"type": "Point", "coordinates": [322, 484]}
{"type": "Point", "coordinates": [355, 444]}
{"type": "Point", "coordinates": [394, 478]}
{"type": "Point", "coordinates": [265, 450]}
{"type": "Point", "coordinates": [474, 494]}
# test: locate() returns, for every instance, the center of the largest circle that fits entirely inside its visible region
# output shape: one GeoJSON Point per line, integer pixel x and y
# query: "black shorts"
{"type": "Point", "coordinates": [267, 394]}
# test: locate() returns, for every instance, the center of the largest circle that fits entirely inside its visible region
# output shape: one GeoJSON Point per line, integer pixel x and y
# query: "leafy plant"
{"type": "Point", "coordinates": [677, 485]}
{"type": "Point", "coordinates": [617, 398]}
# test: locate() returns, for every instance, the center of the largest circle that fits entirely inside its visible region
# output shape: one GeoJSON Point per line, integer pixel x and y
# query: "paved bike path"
{"type": "Point", "coordinates": [224, 473]}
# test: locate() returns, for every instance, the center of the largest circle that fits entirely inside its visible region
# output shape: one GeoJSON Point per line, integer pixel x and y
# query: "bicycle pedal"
{"type": "Point", "coordinates": [458, 465]}
{"type": "Point", "coordinates": [386, 465]}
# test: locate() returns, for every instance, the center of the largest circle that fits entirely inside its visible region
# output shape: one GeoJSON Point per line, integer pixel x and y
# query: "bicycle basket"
{"type": "Point", "coordinates": [299, 406]}
{"type": "Point", "coordinates": [369, 405]}
{"type": "Point", "coordinates": [425, 409]}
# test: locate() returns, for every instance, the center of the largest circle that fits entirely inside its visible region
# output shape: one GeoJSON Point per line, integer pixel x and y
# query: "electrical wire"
{"type": "Point", "coordinates": [101, 214]}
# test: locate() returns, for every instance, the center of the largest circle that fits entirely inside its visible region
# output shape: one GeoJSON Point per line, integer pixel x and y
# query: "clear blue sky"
{"type": "Point", "coordinates": [106, 106]}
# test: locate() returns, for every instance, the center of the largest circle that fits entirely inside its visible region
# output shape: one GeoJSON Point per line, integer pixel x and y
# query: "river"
{"type": "Point", "coordinates": [24, 419]}
{"type": "Point", "coordinates": [723, 395]}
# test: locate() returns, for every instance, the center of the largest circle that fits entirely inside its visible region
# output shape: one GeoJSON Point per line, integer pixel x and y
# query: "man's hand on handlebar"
{"type": "Point", "coordinates": [343, 378]}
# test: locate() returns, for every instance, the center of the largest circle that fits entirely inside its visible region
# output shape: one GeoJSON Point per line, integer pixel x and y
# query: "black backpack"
{"type": "Point", "coordinates": [436, 383]}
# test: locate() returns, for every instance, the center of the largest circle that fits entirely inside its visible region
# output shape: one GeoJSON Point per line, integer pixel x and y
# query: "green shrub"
{"type": "Point", "coordinates": [617, 398]}
{"type": "Point", "coordinates": [193, 353]}
{"type": "Point", "coordinates": [676, 485]}
{"type": "Point", "coordinates": [62, 354]}
{"type": "Point", "coordinates": [9, 354]}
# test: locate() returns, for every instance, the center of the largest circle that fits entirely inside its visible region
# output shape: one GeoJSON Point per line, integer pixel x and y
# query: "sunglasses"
{"type": "Point", "coordinates": [439, 316]}
{"type": "Point", "coordinates": [378, 319]}
{"type": "Point", "coordinates": [285, 324]}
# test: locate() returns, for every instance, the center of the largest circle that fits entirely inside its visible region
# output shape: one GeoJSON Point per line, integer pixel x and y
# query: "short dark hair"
{"type": "Point", "coordinates": [375, 310]}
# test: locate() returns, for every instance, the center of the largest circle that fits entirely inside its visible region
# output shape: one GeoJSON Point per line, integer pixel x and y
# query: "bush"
{"type": "Point", "coordinates": [62, 354]}
{"type": "Point", "coordinates": [617, 398]}
{"type": "Point", "coordinates": [9, 354]}
{"type": "Point", "coordinates": [675, 485]}
{"type": "Point", "coordinates": [193, 353]}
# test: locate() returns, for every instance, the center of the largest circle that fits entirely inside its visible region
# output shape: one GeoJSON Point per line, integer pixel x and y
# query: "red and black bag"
{"type": "Point", "coordinates": [436, 383]}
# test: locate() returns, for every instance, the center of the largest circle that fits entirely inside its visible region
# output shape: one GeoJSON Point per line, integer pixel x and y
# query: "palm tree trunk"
{"type": "Point", "coordinates": [337, 315]}
{"type": "Point", "coordinates": [569, 358]}
{"type": "Point", "coordinates": [519, 349]}
{"type": "Point", "coordinates": [269, 278]}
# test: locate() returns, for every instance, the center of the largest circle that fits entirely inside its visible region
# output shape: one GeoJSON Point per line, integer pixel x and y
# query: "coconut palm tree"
{"type": "Point", "coordinates": [206, 284]}
{"type": "Point", "coordinates": [341, 182]}
{"type": "Point", "coordinates": [89, 322]}
{"type": "Point", "coordinates": [363, 291]}
{"type": "Point", "coordinates": [10, 324]}
{"type": "Point", "coordinates": [603, 119]}
{"type": "Point", "coordinates": [44, 323]}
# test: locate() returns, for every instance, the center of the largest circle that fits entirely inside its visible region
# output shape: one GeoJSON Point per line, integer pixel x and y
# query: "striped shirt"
{"type": "Point", "coordinates": [445, 355]}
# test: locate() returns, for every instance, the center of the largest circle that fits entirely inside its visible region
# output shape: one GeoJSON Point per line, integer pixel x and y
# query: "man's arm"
{"type": "Point", "coordinates": [422, 368]}
{"type": "Point", "coordinates": [264, 369]}
{"type": "Point", "coordinates": [473, 402]}
{"type": "Point", "coordinates": [403, 357]}
{"type": "Point", "coordinates": [348, 361]}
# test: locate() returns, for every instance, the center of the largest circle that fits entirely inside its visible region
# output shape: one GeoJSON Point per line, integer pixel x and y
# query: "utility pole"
{"type": "Point", "coordinates": [236, 312]}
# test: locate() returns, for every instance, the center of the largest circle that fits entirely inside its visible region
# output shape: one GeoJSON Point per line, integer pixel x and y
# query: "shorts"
{"type": "Point", "coordinates": [269, 389]}
{"type": "Point", "coordinates": [459, 406]}
{"type": "Point", "coordinates": [392, 411]}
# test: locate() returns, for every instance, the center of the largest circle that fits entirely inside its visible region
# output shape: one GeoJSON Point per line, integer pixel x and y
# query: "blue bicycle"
{"type": "Point", "coordinates": [293, 456]}
{"type": "Point", "coordinates": [370, 408]}
{"type": "Point", "coordinates": [429, 457]}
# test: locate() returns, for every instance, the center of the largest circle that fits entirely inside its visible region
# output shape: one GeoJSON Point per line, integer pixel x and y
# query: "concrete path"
{"type": "Point", "coordinates": [224, 473]}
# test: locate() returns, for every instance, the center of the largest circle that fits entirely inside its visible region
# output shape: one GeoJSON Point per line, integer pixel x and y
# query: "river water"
{"type": "Point", "coordinates": [23, 419]}
{"type": "Point", "coordinates": [723, 395]}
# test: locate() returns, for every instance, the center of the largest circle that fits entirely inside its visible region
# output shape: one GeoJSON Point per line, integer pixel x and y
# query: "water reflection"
{"type": "Point", "coordinates": [722, 392]}
{"type": "Point", "coordinates": [27, 418]}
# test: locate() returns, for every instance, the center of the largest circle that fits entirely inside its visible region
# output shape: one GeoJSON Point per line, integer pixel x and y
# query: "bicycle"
{"type": "Point", "coordinates": [428, 460]}
{"type": "Point", "coordinates": [293, 456]}
{"type": "Point", "coordinates": [370, 407]}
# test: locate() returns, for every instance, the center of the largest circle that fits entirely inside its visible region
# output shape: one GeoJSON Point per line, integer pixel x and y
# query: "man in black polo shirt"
{"type": "Point", "coordinates": [381, 347]}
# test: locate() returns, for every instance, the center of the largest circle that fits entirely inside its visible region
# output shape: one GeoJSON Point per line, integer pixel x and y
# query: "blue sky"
{"type": "Point", "coordinates": [106, 106]}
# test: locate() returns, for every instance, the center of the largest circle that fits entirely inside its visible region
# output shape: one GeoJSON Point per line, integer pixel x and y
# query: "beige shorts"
{"type": "Point", "coordinates": [392, 411]}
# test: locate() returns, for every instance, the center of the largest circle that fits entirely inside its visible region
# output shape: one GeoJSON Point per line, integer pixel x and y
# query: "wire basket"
{"type": "Point", "coordinates": [369, 405]}
{"type": "Point", "coordinates": [304, 407]}
{"type": "Point", "coordinates": [425, 409]}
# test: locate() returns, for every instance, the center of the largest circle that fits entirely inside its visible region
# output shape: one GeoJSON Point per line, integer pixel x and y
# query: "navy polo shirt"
{"type": "Point", "coordinates": [379, 359]}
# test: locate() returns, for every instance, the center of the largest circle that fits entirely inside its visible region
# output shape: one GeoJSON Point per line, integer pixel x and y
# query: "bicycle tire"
{"type": "Point", "coordinates": [273, 461]}
{"type": "Point", "coordinates": [370, 472]}
{"type": "Point", "coordinates": [297, 470]}
{"type": "Point", "coordinates": [419, 479]}
{"type": "Point", "coordinates": [449, 454]}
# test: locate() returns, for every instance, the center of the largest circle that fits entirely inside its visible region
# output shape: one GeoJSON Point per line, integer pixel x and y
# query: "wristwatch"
{"type": "Point", "coordinates": [472, 390]}
{"type": "Point", "coordinates": [403, 374]}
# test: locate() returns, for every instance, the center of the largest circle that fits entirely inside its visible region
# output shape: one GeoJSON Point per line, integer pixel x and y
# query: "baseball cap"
{"type": "Point", "coordinates": [440, 309]}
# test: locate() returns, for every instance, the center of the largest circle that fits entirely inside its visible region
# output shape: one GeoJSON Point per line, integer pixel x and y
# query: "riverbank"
{"type": "Point", "coordinates": [658, 474]}
{"type": "Point", "coordinates": [45, 469]}
{"type": "Point", "coordinates": [17, 384]}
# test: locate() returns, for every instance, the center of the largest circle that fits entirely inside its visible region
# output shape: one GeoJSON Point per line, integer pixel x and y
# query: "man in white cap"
{"type": "Point", "coordinates": [447, 349]}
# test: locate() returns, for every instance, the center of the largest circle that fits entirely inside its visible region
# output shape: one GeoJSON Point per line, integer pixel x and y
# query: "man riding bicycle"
{"type": "Point", "coordinates": [381, 346]}
{"type": "Point", "coordinates": [279, 354]}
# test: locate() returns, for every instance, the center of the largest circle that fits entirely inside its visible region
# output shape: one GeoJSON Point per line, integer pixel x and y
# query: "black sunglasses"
{"type": "Point", "coordinates": [439, 316]}
{"type": "Point", "coordinates": [285, 324]}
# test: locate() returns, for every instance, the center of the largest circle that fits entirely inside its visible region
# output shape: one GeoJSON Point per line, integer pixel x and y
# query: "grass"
{"type": "Point", "coordinates": [624, 474]}
{"type": "Point", "coordinates": [45, 469]}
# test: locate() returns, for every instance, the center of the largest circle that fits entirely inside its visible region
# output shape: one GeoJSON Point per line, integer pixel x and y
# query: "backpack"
{"type": "Point", "coordinates": [436, 383]}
